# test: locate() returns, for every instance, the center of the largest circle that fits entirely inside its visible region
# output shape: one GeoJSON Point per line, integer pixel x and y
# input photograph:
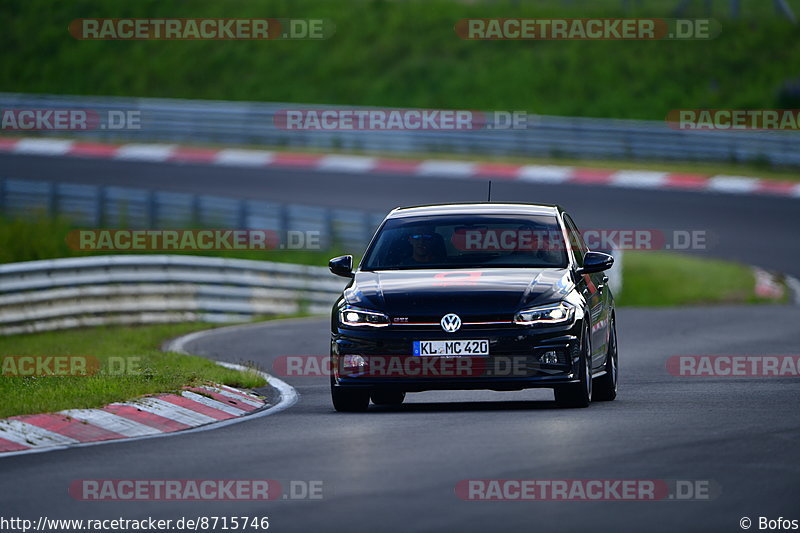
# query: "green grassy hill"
{"type": "Point", "coordinates": [406, 53]}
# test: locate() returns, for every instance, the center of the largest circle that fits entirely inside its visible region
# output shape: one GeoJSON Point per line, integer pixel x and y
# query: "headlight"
{"type": "Point", "coordinates": [560, 313]}
{"type": "Point", "coordinates": [354, 316]}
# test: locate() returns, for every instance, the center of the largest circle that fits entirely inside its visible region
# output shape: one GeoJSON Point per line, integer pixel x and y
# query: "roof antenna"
{"type": "Point", "coordinates": [489, 196]}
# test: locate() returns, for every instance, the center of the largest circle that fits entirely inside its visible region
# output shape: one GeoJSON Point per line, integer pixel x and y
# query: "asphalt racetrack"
{"type": "Point", "coordinates": [396, 469]}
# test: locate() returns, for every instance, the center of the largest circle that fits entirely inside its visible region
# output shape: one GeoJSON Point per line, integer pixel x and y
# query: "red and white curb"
{"type": "Point", "coordinates": [194, 409]}
{"type": "Point", "coordinates": [553, 174]}
{"type": "Point", "coordinates": [160, 413]}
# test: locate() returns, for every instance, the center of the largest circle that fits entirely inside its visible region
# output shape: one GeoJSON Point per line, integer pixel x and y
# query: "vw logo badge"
{"type": "Point", "coordinates": [451, 323]}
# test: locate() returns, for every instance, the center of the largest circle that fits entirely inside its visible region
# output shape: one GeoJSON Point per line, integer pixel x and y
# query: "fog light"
{"type": "Point", "coordinates": [353, 361]}
{"type": "Point", "coordinates": [549, 358]}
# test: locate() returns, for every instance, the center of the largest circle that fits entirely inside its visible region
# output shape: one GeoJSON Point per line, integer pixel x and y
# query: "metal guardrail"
{"type": "Point", "coordinates": [251, 123]}
{"type": "Point", "coordinates": [117, 207]}
{"type": "Point", "coordinates": [139, 289]}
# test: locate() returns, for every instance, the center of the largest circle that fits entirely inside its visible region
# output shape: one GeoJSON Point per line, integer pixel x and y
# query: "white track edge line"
{"type": "Point", "coordinates": [794, 289]}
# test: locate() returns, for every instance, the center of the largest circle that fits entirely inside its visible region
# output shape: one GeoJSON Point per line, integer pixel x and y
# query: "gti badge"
{"type": "Point", "coordinates": [451, 323]}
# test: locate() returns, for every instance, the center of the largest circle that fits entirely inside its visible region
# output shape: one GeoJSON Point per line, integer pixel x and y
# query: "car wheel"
{"type": "Point", "coordinates": [350, 400]}
{"type": "Point", "coordinates": [388, 397]}
{"type": "Point", "coordinates": [578, 394]}
{"type": "Point", "coordinates": [605, 389]}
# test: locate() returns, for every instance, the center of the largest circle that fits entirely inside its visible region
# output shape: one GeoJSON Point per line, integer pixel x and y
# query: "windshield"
{"type": "Point", "coordinates": [468, 241]}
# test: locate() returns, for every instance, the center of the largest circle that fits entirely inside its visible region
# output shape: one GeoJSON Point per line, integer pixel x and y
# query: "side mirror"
{"type": "Point", "coordinates": [595, 262]}
{"type": "Point", "coordinates": [342, 266]}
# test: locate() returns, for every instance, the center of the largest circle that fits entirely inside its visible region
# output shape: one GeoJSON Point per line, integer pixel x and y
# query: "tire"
{"type": "Point", "coordinates": [578, 395]}
{"type": "Point", "coordinates": [388, 397]}
{"type": "Point", "coordinates": [349, 400]}
{"type": "Point", "coordinates": [605, 388]}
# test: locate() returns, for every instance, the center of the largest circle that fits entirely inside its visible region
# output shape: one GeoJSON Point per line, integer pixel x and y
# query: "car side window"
{"type": "Point", "coordinates": [579, 248]}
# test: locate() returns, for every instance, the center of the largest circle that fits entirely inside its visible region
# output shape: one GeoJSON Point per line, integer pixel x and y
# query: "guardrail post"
{"type": "Point", "coordinates": [242, 214]}
{"type": "Point", "coordinates": [330, 227]}
{"type": "Point", "coordinates": [283, 221]}
{"type": "Point", "coordinates": [100, 207]}
{"type": "Point", "coordinates": [152, 210]}
{"type": "Point", "coordinates": [52, 199]}
{"type": "Point", "coordinates": [196, 214]}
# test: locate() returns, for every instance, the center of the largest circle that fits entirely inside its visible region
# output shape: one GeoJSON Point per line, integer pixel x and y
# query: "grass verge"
{"type": "Point", "coordinates": [660, 279]}
{"type": "Point", "coordinates": [148, 369]}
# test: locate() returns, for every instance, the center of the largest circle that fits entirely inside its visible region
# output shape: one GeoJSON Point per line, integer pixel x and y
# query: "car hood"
{"type": "Point", "coordinates": [477, 293]}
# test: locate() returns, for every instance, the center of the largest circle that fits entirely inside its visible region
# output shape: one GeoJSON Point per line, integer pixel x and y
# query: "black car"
{"type": "Point", "coordinates": [499, 296]}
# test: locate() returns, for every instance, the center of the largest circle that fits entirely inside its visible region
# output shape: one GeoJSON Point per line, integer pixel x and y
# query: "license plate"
{"type": "Point", "coordinates": [460, 347]}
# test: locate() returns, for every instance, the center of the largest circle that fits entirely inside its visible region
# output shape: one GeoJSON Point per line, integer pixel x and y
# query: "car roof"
{"type": "Point", "coordinates": [481, 208]}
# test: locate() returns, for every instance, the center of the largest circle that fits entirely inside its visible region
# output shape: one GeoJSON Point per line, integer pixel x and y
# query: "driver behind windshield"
{"type": "Point", "coordinates": [427, 247]}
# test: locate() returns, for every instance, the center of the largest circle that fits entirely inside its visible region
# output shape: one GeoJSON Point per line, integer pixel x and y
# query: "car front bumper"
{"type": "Point", "coordinates": [515, 361]}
